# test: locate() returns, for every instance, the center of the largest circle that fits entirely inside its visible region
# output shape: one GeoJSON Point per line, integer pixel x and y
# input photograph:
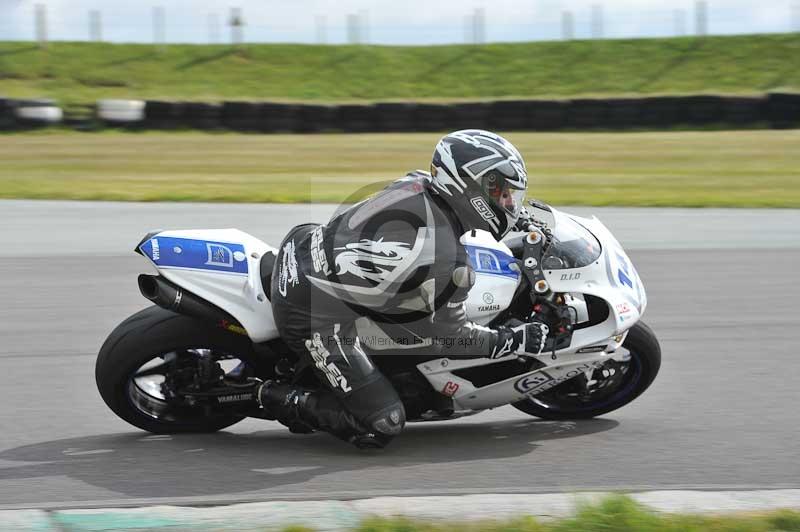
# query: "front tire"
{"type": "Point", "coordinates": [145, 337]}
{"type": "Point", "coordinates": [563, 402]}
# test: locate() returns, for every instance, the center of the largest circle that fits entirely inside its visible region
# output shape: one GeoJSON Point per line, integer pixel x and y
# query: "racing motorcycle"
{"type": "Point", "coordinates": [191, 362]}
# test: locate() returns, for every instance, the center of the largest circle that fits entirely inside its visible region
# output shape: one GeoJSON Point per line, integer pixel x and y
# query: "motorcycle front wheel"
{"type": "Point", "coordinates": [611, 386]}
{"type": "Point", "coordinates": [155, 351]}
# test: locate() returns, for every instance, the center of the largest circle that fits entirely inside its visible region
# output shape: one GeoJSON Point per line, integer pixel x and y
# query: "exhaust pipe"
{"type": "Point", "coordinates": [172, 297]}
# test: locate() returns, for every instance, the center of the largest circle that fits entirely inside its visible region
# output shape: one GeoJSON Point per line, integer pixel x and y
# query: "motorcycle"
{"type": "Point", "coordinates": [191, 362]}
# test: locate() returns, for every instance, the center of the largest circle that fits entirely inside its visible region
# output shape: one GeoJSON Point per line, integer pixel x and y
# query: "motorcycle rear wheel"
{"type": "Point", "coordinates": [565, 401]}
{"type": "Point", "coordinates": [147, 340]}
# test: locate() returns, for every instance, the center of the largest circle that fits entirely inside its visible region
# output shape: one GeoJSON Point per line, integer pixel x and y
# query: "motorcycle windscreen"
{"type": "Point", "coordinates": [573, 246]}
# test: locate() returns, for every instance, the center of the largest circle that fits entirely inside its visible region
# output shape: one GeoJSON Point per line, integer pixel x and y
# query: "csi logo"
{"type": "Point", "coordinates": [531, 382]}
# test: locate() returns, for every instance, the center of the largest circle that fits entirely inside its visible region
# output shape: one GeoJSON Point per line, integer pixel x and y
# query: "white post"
{"type": "Point", "coordinates": [95, 26]}
{"type": "Point", "coordinates": [480, 25]}
{"type": "Point", "coordinates": [353, 36]}
{"type": "Point", "coordinates": [796, 16]}
{"type": "Point", "coordinates": [237, 23]}
{"type": "Point", "coordinates": [41, 25]}
{"type": "Point", "coordinates": [363, 26]}
{"type": "Point", "coordinates": [322, 31]}
{"type": "Point", "coordinates": [159, 32]}
{"type": "Point", "coordinates": [679, 16]}
{"type": "Point", "coordinates": [213, 28]}
{"type": "Point", "coordinates": [701, 18]}
{"type": "Point", "coordinates": [567, 26]}
{"type": "Point", "coordinates": [597, 21]}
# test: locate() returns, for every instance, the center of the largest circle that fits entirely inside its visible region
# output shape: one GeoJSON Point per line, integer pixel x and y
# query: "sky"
{"type": "Point", "coordinates": [397, 22]}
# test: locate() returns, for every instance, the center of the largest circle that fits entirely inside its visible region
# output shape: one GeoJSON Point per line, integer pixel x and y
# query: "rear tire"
{"type": "Point", "coordinates": [145, 336]}
{"type": "Point", "coordinates": [644, 349]}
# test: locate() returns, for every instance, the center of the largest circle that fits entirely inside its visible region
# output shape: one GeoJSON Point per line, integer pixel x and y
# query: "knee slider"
{"type": "Point", "coordinates": [378, 407]}
{"type": "Point", "coordinates": [390, 421]}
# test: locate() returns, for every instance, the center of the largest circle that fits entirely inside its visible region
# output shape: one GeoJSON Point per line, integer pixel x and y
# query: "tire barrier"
{"type": "Point", "coordinates": [548, 115]}
{"type": "Point", "coordinates": [509, 115]}
{"type": "Point", "coordinates": [783, 110]}
{"type": "Point", "coordinates": [314, 118]}
{"type": "Point", "coordinates": [622, 113]}
{"type": "Point", "coordinates": [278, 118]}
{"type": "Point", "coordinates": [776, 110]}
{"type": "Point", "coordinates": [470, 115]}
{"type": "Point", "coordinates": [703, 110]}
{"type": "Point", "coordinates": [202, 115]}
{"type": "Point", "coordinates": [37, 113]}
{"type": "Point", "coordinates": [395, 116]}
{"type": "Point", "coordinates": [585, 114]}
{"type": "Point", "coordinates": [661, 112]}
{"type": "Point", "coordinates": [356, 118]}
{"type": "Point", "coordinates": [120, 112]}
{"type": "Point", "coordinates": [241, 116]}
{"type": "Point", "coordinates": [163, 115]}
{"type": "Point", "coordinates": [744, 110]}
{"type": "Point", "coordinates": [433, 117]}
{"type": "Point", "coordinates": [7, 119]}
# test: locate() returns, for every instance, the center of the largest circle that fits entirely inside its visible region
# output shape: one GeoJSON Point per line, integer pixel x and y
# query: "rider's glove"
{"type": "Point", "coordinates": [521, 339]}
{"type": "Point", "coordinates": [523, 220]}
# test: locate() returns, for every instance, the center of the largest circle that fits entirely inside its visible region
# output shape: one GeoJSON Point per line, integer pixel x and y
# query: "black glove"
{"type": "Point", "coordinates": [521, 339]}
{"type": "Point", "coordinates": [523, 220]}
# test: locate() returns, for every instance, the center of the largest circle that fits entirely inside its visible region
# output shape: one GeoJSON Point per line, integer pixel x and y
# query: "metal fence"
{"type": "Point", "coordinates": [380, 22]}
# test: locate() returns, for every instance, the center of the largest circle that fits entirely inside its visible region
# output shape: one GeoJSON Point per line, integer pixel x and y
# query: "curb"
{"type": "Point", "coordinates": [343, 515]}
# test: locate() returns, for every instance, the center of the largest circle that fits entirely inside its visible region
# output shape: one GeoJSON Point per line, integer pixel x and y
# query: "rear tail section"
{"type": "Point", "coordinates": [212, 274]}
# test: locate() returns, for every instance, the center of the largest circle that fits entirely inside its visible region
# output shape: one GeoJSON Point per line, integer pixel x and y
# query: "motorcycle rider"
{"type": "Point", "coordinates": [396, 258]}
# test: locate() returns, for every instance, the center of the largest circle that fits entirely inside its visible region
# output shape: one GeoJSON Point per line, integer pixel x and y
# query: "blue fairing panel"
{"type": "Point", "coordinates": [187, 253]}
{"type": "Point", "coordinates": [491, 261]}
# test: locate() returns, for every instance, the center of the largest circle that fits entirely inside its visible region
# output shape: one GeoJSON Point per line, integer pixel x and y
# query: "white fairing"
{"type": "Point", "coordinates": [221, 266]}
{"type": "Point", "coordinates": [610, 276]}
{"type": "Point", "coordinates": [496, 276]}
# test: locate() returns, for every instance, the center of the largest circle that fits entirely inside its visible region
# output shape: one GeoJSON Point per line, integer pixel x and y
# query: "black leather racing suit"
{"type": "Point", "coordinates": [396, 258]}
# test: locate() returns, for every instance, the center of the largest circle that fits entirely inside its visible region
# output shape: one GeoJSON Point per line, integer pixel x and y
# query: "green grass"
{"type": "Point", "coordinates": [694, 169]}
{"type": "Point", "coordinates": [614, 514]}
{"type": "Point", "coordinates": [84, 72]}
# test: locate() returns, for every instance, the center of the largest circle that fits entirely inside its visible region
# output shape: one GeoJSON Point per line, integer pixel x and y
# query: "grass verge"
{"type": "Point", "coordinates": [614, 514]}
{"type": "Point", "coordinates": [81, 73]}
{"type": "Point", "coordinates": [689, 169]}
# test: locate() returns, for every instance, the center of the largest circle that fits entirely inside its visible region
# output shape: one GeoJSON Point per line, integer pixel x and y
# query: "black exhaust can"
{"type": "Point", "coordinates": [172, 297]}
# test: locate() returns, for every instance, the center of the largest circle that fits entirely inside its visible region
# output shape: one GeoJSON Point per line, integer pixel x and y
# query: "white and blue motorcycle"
{"type": "Point", "coordinates": [190, 362]}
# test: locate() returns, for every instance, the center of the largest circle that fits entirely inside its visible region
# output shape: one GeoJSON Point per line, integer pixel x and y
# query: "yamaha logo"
{"type": "Point", "coordinates": [235, 398]}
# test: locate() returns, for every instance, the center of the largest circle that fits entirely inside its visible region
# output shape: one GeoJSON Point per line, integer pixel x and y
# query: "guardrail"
{"type": "Point", "coordinates": [773, 110]}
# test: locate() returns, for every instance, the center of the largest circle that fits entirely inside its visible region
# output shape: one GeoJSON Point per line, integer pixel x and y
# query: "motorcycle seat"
{"type": "Point", "coordinates": [267, 263]}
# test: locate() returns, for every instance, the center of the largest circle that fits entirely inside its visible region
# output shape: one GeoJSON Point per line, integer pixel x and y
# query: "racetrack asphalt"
{"type": "Point", "coordinates": [722, 414]}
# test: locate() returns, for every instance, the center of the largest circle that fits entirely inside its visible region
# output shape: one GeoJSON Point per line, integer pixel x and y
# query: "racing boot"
{"type": "Point", "coordinates": [304, 411]}
{"type": "Point", "coordinates": [283, 403]}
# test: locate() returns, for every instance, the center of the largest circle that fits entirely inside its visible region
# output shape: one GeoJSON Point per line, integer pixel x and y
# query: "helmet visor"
{"type": "Point", "coordinates": [508, 198]}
